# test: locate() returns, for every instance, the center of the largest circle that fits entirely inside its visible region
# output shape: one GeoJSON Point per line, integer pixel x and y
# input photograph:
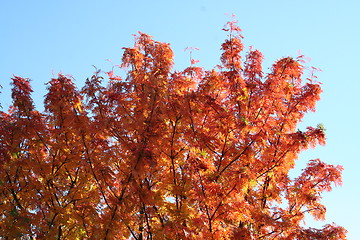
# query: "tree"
{"type": "Point", "coordinates": [192, 154]}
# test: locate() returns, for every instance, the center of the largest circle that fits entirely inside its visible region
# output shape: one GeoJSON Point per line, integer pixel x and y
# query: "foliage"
{"type": "Point", "coordinates": [192, 154]}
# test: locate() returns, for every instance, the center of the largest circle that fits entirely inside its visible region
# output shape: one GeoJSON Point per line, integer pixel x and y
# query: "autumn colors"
{"type": "Point", "coordinates": [193, 154]}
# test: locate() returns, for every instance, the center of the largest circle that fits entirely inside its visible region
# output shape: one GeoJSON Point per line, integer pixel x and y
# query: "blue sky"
{"type": "Point", "coordinates": [39, 39]}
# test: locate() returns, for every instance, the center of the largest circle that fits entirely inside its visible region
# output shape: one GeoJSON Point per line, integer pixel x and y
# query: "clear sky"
{"type": "Point", "coordinates": [41, 38]}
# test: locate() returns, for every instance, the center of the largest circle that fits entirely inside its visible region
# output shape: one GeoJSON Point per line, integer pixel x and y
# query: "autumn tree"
{"type": "Point", "coordinates": [162, 154]}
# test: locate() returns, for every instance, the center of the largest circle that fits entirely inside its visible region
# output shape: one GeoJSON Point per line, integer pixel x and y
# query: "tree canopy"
{"type": "Point", "coordinates": [163, 154]}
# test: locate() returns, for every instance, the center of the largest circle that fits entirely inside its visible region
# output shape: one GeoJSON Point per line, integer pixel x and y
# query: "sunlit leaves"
{"type": "Point", "coordinates": [192, 154]}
